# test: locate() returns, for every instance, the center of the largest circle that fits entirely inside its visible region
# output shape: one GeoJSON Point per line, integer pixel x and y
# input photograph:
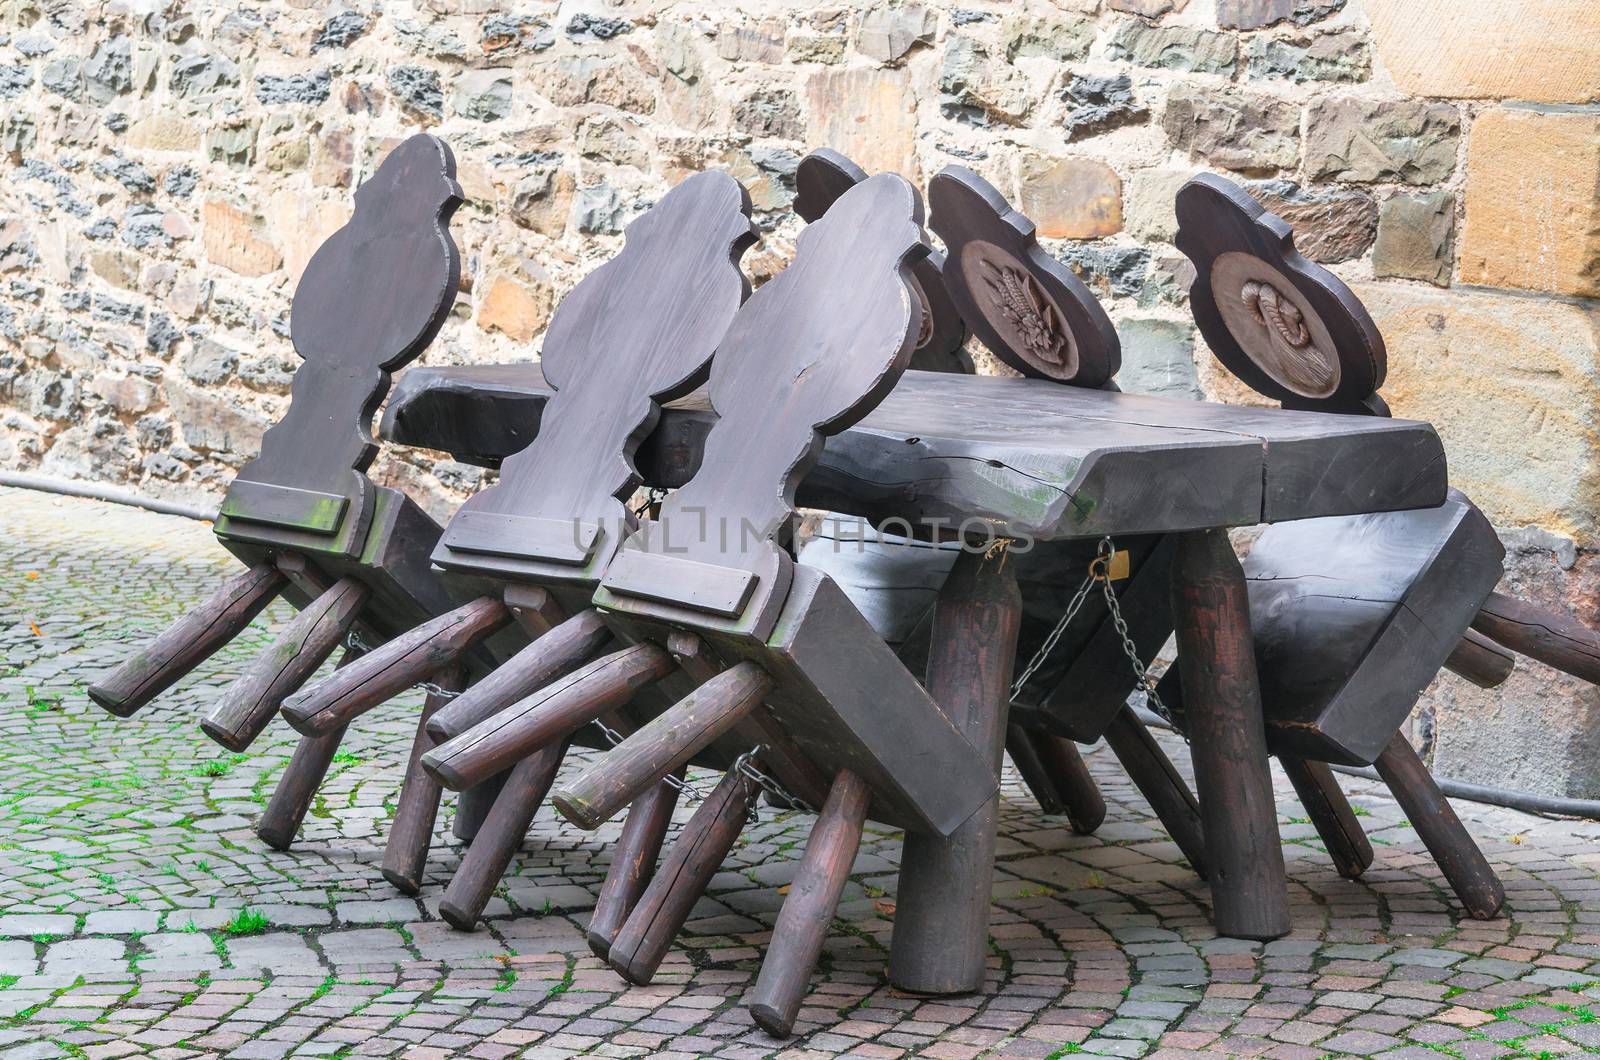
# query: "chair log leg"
{"type": "Point", "coordinates": [1222, 706]}
{"type": "Point", "coordinates": [1330, 811]}
{"type": "Point", "coordinates": [1429, 812]}
{"type": "Point", "coordinates": [473, 805]}
{"type": "Point", "coordinates": [693, 859]}
{"type": "Point", "coordinates": [405, 855]}
{"type": "Point", "coordinates": [633, 864]}
{"type": "Point", "coordinates": [808, 909]}
{"type": "Point", "coordinates": [941, 925]}
{"type": "Point", "coordinates": [1153, 773]}
{"type": "Point", "coordinates": [1069, 773]}
{"type": "Point", "coordinates": [498, 839]}
{"type": "Point", "coordinates": [291, 799]}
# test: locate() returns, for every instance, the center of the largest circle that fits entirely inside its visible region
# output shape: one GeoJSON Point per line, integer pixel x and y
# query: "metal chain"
{"type": "Point", "coordinates": [745, 764]}
{"type": "Point", "coordinates": [1099, 571]}
{"type": "Point", "coordinates": [654, 495]}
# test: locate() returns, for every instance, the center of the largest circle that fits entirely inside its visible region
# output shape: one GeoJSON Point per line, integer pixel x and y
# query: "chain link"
{"type": "Point", "coordinates": [654, 495]}
{"type": "Point", "coordinates": [1100, 571]}
{"type": "Point", "coordinates": [746, 764]}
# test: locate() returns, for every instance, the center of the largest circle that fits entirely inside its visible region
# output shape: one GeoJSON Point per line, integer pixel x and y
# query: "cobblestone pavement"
{"type": "Point", "coordinates": [139, 914]}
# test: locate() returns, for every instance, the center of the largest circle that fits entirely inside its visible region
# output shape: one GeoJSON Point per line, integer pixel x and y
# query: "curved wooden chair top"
{"type": "Point", "coordinates": [636, 332]}
{"type": "Point", "coordinates": [823, 176]}
{"type": "Point", "coordinates": [811, 353]}
{"type": "Point", "coordinates": [1286, 326]}
{"type": "Point", "coordinates": [1027, 307]}
{"type": "Point", "coordinates": [371, 299]}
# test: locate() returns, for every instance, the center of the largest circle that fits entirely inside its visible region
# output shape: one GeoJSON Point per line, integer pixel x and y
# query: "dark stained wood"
{"type": "Point", "coordinates": [1222, 709]}
{"type": "Point", "coordinates": [547, 717]}
{"type": "Point", "coordinates": [941, 922]}
{"type": "Point", "coordinates": [823, 176]}
{"type": "Point", "coordinates": [1028, 457]}
{"type": "Point", "coordinates": [1330, 812]}
{"type": "Point", "coordinates": [691, 861]}
{"type": "Point", "coordinates": [1541, 634]}
{"type": "Point", "coordinates": [291, 799]}
{"type": "Point", "coordinates": [554, 655]}
{"type": "Point", "coordinates": [497, 839]}
{"type": "Point", "coordinates": [1026, 306]}
{"type": "Point", "coordinates": [188, 642]}
{"type": "Point", "coordinates": [1479, 659]}
{"type": "Point", "coordinates": [249, 703]}
{"type": "Point", "coordinates": [370, 300]}
{"type": "Point", "coordinates": [832, 333]}
{"type": "Point", "coordinates": [1284, 325]}
{"type": "Point", "coordinates": [1436, 822]}
{"type": "Point", "coordinates": [633, 864]}
{"type": "Point", "coordinates": [389, 669]}
{"type": "Point", "coordinates": [808, 908]}
{"type": "Point", "coordinates": [1354, 616]}
{"type": "Point", "coordinates": [405, 854]}
{"type": "Point", "coordinates": [1068, 774]}
{"type": "Point", "coordinates": [663, 745]}
{"type": "Point", "coordinates": [637, 331]}
{"type": "Point", "coordinates": [1026, 760]}
{"type": "Point", "coordinates": [1153, 773]}
{"type": "Point", "coordinates": [473, 806]}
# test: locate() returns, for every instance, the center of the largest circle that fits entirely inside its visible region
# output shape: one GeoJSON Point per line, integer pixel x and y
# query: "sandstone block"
{"type": "Point", "coordinates": [1416, 238]}
{"type": "Point", "coordinates": [1330, 224]}
{"type": "Point", "coordinates": [212, 424]}
{"type": "Point", "coordinates": [1511, 385]}
{"type": "Point", "coordinates": [1544, 51]}
{"type": "Point", "coordinates": [482, 95]}
{"type": "Point", "coordinates": [1234, 129]}
{"type": "Point", "coordinates": [1341, 56]}
{"type": "Point", "coordinates": [752, 40]}
{"type": "Point", "coordinates": [1532, 208]}
{"type": "Point", "coordinates": [1074, 198]}
{"type": "Point", "coordinates": [887, 32]}
{"type": "Point", "coordinates": [1367, 141]}
{"type": "Point", "coordinates": [1158, 358]}
{"type": "Point", "coordinates": [1256, 14]}
{"type": "Point", "coordinates": [1149, 202]}
{"type": "Point", "coordinates": [162, 131]}
{"type": "Point", "coordinates": [1062, 40]}
{"type": "Point", "coordinates": [1147, 8]}
{"type": "Point", "coordinates": [1183, 48]}
{"type": "Point", "coordinates": [233, 241]}
{"type": "Point", "coordinates": [869, 115]}
{"type": "Point", "coordinates": [517, 309]}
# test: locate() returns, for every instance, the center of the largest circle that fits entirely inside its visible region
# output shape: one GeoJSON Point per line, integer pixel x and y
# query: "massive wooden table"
{"type": "Point", "coordinates": [1031, 459]}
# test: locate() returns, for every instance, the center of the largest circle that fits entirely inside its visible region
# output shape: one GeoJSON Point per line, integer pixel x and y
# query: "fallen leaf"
{"type": "Point", "coordinates": [37, 632]}
{"type": "Point", "coordinates": [33, 576]}
{"type": "Point", "coordinates": [886, 908]}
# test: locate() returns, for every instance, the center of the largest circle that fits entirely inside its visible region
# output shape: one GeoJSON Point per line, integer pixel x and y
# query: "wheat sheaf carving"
{"type": "Point", "coordinates": [1031, 315]}
{"type": "Point", "coordinates": [1299, 360]}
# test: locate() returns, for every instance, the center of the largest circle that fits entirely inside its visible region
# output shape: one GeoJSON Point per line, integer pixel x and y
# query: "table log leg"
{"type": "Point", "coordinates": [1222, 705]}
{"type": "Point", "coordinates": [808, 908]}
{"type": "Point", "coordinates": [1429, 812]}
{"type": "Point", "coordinates": [1153, 773]}
{"type": "Point", "coordinates": [499, 837]}
{"type": "Point", "coordinates": [633, 864]}
{"type": "Point", "coordinates": [405, 855]}
{"type": "Point", "coordinates": [1330, 811]}
{"type": "Point", "coordinates": [941, 923]}
{"type": "Point", "coordinates": [1023, 755]}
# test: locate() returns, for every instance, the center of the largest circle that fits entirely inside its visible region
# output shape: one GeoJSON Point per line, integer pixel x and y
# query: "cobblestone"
{"type": "Point", "coordinates": [127, 855]}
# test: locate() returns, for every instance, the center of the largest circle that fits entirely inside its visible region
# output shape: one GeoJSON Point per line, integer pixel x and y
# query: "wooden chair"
{"type": "Point", "coordinates": [638, 331]}
{"type": "Point", "coordinates": [811, 353]}
{"type": "Point", "coordinates": [1353, 616]}
{"type": "Point", "coordinates": [893, 579]}
{"type": "Point", "coordinates": [303, 515]}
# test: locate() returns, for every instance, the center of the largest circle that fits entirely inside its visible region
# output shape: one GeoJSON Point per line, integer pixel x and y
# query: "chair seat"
{"type": "Point", "coordinates": [1354, 615]}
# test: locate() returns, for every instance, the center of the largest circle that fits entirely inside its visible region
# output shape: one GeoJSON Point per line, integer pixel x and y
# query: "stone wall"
{"type": "Point", "coordinates": [168, 173]}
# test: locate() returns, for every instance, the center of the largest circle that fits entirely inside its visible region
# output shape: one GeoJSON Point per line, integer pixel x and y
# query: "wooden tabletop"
{"type": "Point", "coordinates": [1031, 458]}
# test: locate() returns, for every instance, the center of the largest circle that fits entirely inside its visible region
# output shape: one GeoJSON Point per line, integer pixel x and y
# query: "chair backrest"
{"type": "Point", "coordinates": [1284, 325]}
{"type": "Point", "coordinates": [371, 299]}
{"type": "Point", "coordinates": [636, 332]}
{"type": "Point", "coordinates": [1026, 306]}
{"type": "Point", "coordinates": [823, 176]}
{"type": "Point", "coordinates": [810, 354]}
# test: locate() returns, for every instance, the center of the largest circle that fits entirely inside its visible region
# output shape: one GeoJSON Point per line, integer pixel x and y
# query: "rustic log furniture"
{"type": "Point", "coordinates": [1030, 459]}
{"type": "Point", "coordinates": [303, 515]}
{"type": "Point", "coordinates": [831, 334]}
{"type": "Point", "coordinates": [1353, 616]}
{"type": "Point", "coordinates": [638, 330]}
